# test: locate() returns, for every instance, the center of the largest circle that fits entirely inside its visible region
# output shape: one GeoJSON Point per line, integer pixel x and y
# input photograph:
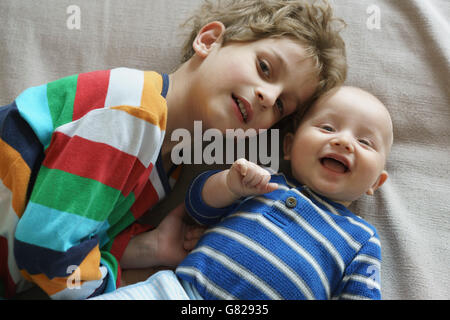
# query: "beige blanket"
{"type": "Point", "coordinates": [399, 50]}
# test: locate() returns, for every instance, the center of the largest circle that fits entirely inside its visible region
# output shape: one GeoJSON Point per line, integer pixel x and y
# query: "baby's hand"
{"type": "Point", "coordinates": [246, 179]}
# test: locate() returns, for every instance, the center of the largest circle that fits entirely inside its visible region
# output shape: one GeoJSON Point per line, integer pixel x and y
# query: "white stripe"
{"type": "Point", "coordinates": [333, 210]}
{"type": "Point", "coordinates": [348, 238]}
{"type": "Point", "coordinates": [348, 296]}
{"type": "Point", "coordinates": [156, 182]}
{"type": "Point", "coordinates": [259, 218]}
{"type": "Point", "coordinates": [368, 260]}
{"type": "Point", "coordinates": [310, 229]}
{"type": "Point", "coordinates": [120, 130]}
{"type": "Point", "coordinates": [326, 204]}
{"type": "Point", "coordinates": [81, 291]}
{"type": "Point", "coordinates": [125, 87]}
{"type": "Point", "coordinates": [375, 240]}
{"type": "Point", "coordinates": [209, 285]}
{"type": "Point", "coordinates": [240, 270]}
{"type": "Point", "coordinates": [8, 223]}
{"type": "Point", "coordinates": [286, 180]}
{"type": "Point", "coordinates": [273, 259]}
{"type": "Point", "coordinates": [369, 282]}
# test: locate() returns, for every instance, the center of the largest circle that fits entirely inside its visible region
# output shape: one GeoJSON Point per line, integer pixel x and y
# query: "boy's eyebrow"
{"type": "Point", "coordinates": [283, 66]}
{"type": "Point", "coordinates": [280, 59]}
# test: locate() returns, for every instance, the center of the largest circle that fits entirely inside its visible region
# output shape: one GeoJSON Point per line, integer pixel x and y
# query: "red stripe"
{"type": "Point", "coordinates": [92, 88]}
{"type": "Point", "coordinates": [143, 203]}
{"type": "Point", "coordinates": [121, 241]}
{"type": "Point", "coordinates": [97, 161]}
{"type": "Point", "coordinates": [5, 277]}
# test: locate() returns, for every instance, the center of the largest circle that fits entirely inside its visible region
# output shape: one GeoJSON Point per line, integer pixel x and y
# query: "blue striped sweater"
{"type": "Point", "coordinates": [287, 244]}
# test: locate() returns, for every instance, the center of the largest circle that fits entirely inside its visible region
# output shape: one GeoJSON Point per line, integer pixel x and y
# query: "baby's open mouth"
{"type": "Point", "coordinates": [241, 106]}
{"type": "Point", "coordinates": [334, 165]}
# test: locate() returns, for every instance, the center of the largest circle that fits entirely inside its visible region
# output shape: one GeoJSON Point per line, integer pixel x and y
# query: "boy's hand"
{"type": "Point", "coordinates": [167, 245]}
{"type": "Point", "coordinates": [246, 178]}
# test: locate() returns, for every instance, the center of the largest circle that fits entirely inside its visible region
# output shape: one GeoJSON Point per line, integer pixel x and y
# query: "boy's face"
{"type": "Point", "coordinates": [251, 84]}
{"type": "Point", "coordinates": [341, 146]}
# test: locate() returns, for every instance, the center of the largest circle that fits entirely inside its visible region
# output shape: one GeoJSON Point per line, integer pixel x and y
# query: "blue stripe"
{"type": "Point", "coordinates": [259, 264]}
{"type": "Point", "coordinates": [16, 132]}
{"type": "Point", "coordinates": [33, 107]}
{"type": "Point", "coordinates": [194, 202]}
{"type": "Point", "coordinates": [165, 87]}
{"type": "Point", "coordinates": [38, 260]}
{"type": "Point", "coordinates": [57, 230]}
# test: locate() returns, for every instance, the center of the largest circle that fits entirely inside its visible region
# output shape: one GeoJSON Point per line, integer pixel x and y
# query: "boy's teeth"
{"type": "Point", "coordinates": [242, 108]}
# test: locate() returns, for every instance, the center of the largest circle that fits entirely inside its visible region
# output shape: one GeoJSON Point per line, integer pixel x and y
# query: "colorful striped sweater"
{"type": "Point", "coordinates": [287, 244]}
{"type": "Point", "coordinates": [79, 163]}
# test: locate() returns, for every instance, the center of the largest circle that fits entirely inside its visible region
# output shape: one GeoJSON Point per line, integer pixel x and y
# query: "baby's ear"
{"type": "Point", "coordinates": [380, 181]}
{"type": "Point", "coordinates": [208, 35]}
{"type": "Point", "coordinates": [287, 145]}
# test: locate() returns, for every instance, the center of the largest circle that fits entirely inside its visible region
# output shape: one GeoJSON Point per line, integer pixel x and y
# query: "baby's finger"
{"type": "Point", "coordinates": [262, 185]}
{"type": "Point", "coordinates": [249, 176]}
{"type": "Point", "coordinates": [241, 166]}
{"type": "Point", "coordinates": [257, 181]}
{"type": "Point", "coordinates": [272, 186]}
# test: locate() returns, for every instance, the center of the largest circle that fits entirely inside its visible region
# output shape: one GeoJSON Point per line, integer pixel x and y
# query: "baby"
{"type": "Point", "coordinates": [296, 238]}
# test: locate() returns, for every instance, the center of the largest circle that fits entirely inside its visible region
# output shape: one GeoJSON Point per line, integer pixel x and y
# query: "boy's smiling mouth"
{"type": "Point", "coordinates": [243, 107]}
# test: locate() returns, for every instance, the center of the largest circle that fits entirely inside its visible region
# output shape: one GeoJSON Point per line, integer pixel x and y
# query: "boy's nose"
{"type": "Point", "coordinates": [344, 142]}
{"type": "Point", "coordinates": [267, 95]}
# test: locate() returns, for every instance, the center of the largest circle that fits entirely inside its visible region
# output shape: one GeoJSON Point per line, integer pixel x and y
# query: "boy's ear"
{"type": "Point", "coordinates": [381, 179]}
{"type": "Point", "coordinates": [287, 145]}
{"type": "Point", "coordinates": [208, 35]}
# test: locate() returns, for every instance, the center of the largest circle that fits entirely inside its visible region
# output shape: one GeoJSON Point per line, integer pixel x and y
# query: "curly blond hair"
{"type": "Point", "coordinates": [310, 22]}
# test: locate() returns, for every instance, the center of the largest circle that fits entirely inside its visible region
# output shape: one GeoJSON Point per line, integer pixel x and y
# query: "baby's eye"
{"type": "Point", "coordinates": [327, 127]}
{"type": "Point", "coordinates": [365, 142]}
{"type": "Point", "coordinates": [264, 68]}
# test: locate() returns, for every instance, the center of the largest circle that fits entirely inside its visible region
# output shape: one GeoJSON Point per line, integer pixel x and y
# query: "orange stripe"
{"type": "Point", "coordinates": [176, 173]}
{"type": "Point", "coordinates": [15, 174]}
{"type": "Point", "coordinates": [88, 270]}
{"type": "Point", "coordinates": [152, 100]}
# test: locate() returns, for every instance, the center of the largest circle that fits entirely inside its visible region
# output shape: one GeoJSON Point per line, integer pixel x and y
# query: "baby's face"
{"type": "Point", "coordinates": [341, 146]}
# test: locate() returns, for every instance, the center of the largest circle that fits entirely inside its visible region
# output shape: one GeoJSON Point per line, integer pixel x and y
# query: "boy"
{"type": "Point", "coordinates": [299, 241]}
{"type": "Point", "coordinates": [83, 157]}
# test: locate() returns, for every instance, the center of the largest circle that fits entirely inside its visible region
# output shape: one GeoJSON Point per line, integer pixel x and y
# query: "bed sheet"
{"type": "Point", "coordinates": [399, 50]}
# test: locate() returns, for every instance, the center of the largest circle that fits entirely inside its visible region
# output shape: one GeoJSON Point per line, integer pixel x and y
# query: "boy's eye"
{"type": "Point", "coordinates": [280, 106]}
{"type": "Point", "coordinates": [264, 68]}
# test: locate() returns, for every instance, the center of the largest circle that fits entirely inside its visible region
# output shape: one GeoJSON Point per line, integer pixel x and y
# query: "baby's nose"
{"type": "Point", "coordinates": [343, 142]}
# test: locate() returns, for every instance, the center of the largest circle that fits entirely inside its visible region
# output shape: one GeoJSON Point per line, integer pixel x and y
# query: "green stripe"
{"type": "Point", "coordinates": [61, 97]}
{"type": "Point", "coordinates": [121, 225]}
{"type": "Point", "coordinates": [112, 263]}
{"type": "Point", "coordinates": [74, 194]}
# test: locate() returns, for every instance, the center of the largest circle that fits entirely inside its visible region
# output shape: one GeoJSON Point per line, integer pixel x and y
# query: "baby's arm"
{"type": "Point", "coordinates": [244, 178]}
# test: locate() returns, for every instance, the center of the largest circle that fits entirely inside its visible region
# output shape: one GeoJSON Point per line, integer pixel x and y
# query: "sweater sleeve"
{"type": "Point", "coordinates": [362, 277]}
{"type": "Point", "coordinates": [198, 209]}
{"type": "Point", "coordinates": [85, 190]}
{"type": "Point", "coordinates": [102, 132]}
